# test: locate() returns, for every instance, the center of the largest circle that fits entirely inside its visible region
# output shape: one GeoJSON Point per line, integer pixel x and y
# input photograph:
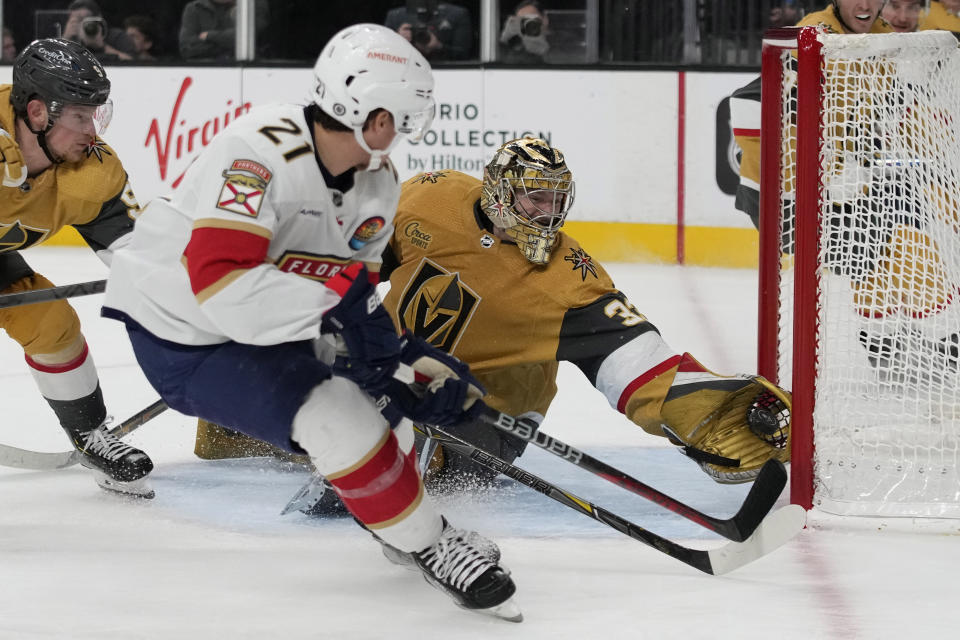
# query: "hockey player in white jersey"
{"type": "Point", "coordinates": [234, 286]}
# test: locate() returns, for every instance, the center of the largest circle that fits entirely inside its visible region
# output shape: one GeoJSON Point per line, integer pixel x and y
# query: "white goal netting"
{"type": "Point", "coordinates": [886, 420]}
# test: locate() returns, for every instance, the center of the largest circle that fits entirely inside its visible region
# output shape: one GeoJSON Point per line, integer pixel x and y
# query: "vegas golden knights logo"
{"type": "Point", "coordinates": [16, 236]}
{"type": "Point", "coordinates": [437, 306]}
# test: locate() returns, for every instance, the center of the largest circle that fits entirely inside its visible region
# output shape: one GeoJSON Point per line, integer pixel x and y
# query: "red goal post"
{"type": "Point", "coordinates": [859, 312]}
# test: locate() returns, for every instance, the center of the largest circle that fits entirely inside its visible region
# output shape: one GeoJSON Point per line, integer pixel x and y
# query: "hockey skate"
{"type": "Point", "coordinates": [117, 466]}
{"type": "Point", "coordinates": [457, 564]}
{"type": "Point", "coordinates": [488, 548]}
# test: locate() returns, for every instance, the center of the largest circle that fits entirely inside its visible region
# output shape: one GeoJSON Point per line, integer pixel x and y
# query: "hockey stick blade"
{"type": "Point", "coordinates": [40, 461]}
{"type": "Point", "coordinates": [53, 293]}
{"type": "Point", "coordinates": [776, 530]}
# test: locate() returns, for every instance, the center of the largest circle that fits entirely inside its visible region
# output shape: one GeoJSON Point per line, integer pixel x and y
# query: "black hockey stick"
{"type": "Point", "coordinates": [39, 461]}
{"type": "Point", "coordinates": [761, 498]}
{"type": "Point", "coordinates": [774, 531]}
{"type": "Point", "coordinates": [54, 293]}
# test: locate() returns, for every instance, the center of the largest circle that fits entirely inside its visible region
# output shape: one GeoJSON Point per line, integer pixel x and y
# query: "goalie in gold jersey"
{"type": "Point", "coordinates": [482, 270]}
{"type": "Point", "coordinates": [56, 172]}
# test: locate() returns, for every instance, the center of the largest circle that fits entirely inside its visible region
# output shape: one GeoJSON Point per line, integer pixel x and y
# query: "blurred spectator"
{"type": "Point", "coordinates": [9, 46]}
{"type": "Point", "coordinates": [903, 15]}
{"type": "Point", "coordinates": [86, 25]}
{"type": "Point", "coordinates": [143, 32]}
{"type": "Point", "coordinates": [439, 30]}
{"type": "Point", "coordinates": [208, 28]}
{"type": "Point", "coordinates": [952, 6]}
{"type": "Point", "coordinates": [524, 36]}
{"type": "Point", "coordinates": [786, 14]}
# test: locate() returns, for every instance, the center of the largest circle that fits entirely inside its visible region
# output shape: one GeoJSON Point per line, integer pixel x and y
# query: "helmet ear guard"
{"type": "Point", "coordinates": [528, 192]}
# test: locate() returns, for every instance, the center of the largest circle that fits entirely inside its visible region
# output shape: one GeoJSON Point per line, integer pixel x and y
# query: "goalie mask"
{"type": "Point", "coordinates": [528, 191]}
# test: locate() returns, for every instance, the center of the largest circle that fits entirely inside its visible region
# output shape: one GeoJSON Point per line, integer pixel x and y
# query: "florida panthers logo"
{"type": "Point", "coordinates": [437, 306]}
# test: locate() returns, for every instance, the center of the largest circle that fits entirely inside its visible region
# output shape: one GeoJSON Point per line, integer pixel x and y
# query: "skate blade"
{"type": "Point", "coordinates": [137, 488]}
{"type": "Point", "coordinates": [306, 497]}
{"type": "Point", "coordinates": [506, 610]}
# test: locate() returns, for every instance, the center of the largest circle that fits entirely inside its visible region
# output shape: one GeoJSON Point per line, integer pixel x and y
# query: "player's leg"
{"type": "Point", "coordinates": [60, 362]}
{"type": "Point", "coordinates": [284, 395]}
{"type": "Point", "coordinates": [373, 470]}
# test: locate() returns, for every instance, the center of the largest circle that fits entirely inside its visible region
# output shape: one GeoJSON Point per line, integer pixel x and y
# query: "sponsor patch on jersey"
{"type": "Point", "coordinates": [243, 187]}
{"type": "Point", "coordinates": [366, 231]}
{"type": "Point", "coordinates": [437, 306]}
{"type": "Point", "coordinates": [487, 241]}
{"type": "Point", "coordinates": [416, 235]}
{"type": "Point", "coordinates": [582, 261]}
{"type": "Point", "coordinates": [313, 266]}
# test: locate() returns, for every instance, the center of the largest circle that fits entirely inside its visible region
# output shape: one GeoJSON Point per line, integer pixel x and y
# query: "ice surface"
{"type": "Point", "coordinates": [210, 557]}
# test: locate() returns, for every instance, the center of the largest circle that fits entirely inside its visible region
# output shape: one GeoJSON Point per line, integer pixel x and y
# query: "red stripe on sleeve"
{"type": "Point", "coordinates": [666, 365]}
{"type": "Point", "coordinates": [689, 364]}
{"type": "Point", "coordinates": [752, 133]}
{"type": "Point", "coordinates": [344, 279]}
{"type": "Point", "coordinates": [213, 253]}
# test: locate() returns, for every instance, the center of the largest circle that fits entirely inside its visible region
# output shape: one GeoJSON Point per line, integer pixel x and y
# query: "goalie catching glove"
{"type": "Point", "coordinates": [731, 425]}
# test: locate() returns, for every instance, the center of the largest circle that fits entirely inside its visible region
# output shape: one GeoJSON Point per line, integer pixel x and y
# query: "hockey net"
{"type": "Point", "coordinates": [860, 266]}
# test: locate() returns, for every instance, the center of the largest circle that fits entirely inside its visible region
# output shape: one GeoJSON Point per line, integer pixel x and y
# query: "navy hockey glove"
{"type": "Point", "coordinates": [366, 328]}
{"type": "Point", "coordinates": [445, 394]}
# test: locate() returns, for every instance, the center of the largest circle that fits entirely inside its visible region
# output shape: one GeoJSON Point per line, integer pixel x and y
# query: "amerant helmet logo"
{"type": "Point", "coordinates": [387, 57]}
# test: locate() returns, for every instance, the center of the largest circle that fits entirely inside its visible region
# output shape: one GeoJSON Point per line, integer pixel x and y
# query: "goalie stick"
{"type": "Point", "coordinates": [759, 501]}
{"type": "Point", "coordinates": [54, 293]}
{"type": "Point", "coordinates": [38, 461]}
{"type": "Point", "coordinates": [775, 530]}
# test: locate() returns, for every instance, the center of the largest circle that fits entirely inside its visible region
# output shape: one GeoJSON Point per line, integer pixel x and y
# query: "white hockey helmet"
{"type": "Point", "coordinates": [369, 66]}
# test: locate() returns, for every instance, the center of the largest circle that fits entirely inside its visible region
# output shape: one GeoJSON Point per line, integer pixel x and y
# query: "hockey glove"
{"type": "Point", "coordinates": [366, 329]}
{"type": "Point", "coordinates": [14, 167]}
{"type": "Point", "coordinates": [445, 394]}
{"type": "Point", "coordinates": [730, 425]}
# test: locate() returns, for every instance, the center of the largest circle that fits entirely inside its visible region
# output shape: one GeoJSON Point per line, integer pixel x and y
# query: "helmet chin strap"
{"type": "Point", "coordinates": [376, 155]}
{"type": "Point", "coordinates": [42, 141]}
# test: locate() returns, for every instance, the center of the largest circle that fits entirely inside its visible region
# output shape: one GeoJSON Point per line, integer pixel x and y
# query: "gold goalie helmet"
{"type": "Point", "coordinates": [527, 192]}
